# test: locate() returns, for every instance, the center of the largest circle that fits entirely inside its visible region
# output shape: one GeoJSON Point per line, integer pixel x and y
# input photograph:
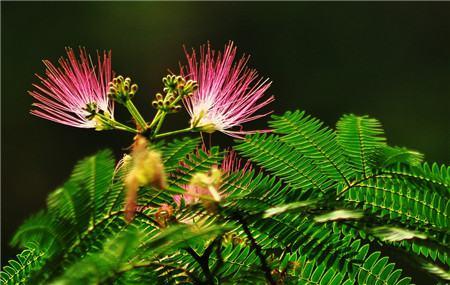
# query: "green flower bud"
{"type": "Point", "coordinates": [134, 88]}
{"type": "Point", "coordinates": [120, 90]}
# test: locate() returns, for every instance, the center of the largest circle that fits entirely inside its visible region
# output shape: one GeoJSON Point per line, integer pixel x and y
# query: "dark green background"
{"type": "Point", "coordinates": [388, 60]}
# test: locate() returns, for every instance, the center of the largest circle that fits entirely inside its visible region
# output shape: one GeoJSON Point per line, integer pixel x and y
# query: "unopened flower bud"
{"type": "Point", "coordinates": [189, 88]}
{"type": "Point", "coordinates": [175, 109]}
{"type": "Point", "coordinates": [121, 90]}
{"type": "Point", "coordinates": [134, 88]}
{"type": "Point", "coordinates": [170, 98]}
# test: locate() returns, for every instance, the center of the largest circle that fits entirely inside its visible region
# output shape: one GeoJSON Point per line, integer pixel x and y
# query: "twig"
{"type": "Point", "coordinates": [255, 246]}
{"type": "Point", "coordinates": [219, 255]}
{"type": "Point", "coordinates": [203, 264]}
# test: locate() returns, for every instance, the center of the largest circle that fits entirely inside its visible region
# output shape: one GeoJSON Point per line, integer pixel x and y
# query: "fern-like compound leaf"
{"type": "Point", "coordinates": [426, 176]}
{"type": "Point", "coordinates": [94, 175]}
{"type": "Point", "coordinates": [310, 138]}
{"type": "Point", "coordinates": [400, 200]}
{"type": "Point", "coordinates": [361, 138]}
{"type": "Point", "coordinates": [295, 169]}
{"type": "Point", "coordinates": [177, 150]}
{"type": "Point", "coordinates": [21, 269]}
{"type": "Point", "coordinates": [390, 156]}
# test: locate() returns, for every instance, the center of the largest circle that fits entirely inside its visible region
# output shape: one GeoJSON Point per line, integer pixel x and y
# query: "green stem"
{"type": "Point", "coordinates": [115, 124]}
{"type": "Point", "coordinates": [155, 119]}
{"type": "Point", "coordinates": [136, 115]}
{"type": "Point", "coordinates": [176, 101]}
{"type": "Point", "coordinates": [123, 127]}
{"type": "Point", "coordinates": [162, 113]}
{"type": "Point", "coordinates": [161, 120]}
{"type": "Point", "coordinates": [173, 133]}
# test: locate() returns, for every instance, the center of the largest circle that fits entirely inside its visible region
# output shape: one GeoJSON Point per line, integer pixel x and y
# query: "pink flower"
{"type": "Point", "coordinates": [231, 163]}
{"type": "Point", "coordinates": [192, 195]}
{"type": "Point", "coordinates": [229, 93]}
{"type": "Point", "coordinates": [73, 92]}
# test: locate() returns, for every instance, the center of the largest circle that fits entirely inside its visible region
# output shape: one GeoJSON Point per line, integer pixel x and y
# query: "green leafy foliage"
{"type": "Point", "coordinates": [389, 156]}
{"type": "Point", "coordinates": [376, 269]}
{"type": "Point", "coordinates": [402, 201]}
{"type": "Point", "coordinates": [309, 137]}
{"type": "Point", "coordinates": [360, 138]}
{"type": "Point", "coordinates": [319, 207]}
{"type": "Point", "coordinates": [295, 169]}
{"type": "Point", "coordinates": [21, 269]}
{"type": "Point", "coordinates": [177, 150]}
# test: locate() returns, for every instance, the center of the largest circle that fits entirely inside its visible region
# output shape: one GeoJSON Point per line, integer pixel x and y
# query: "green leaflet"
{"type": "Point", "coordinates": [94, 175]}
{"type": "Point", "coordinates": [374, 268]}
{"type": "Point", "coordinates": [427, 250]}
{"type": "Point", "coordinates": [303, 271]}
{"type": "Point", "coordinates": [131, 249]}
{"type": "Point", "coordinates": [236, 259]}
{"type": "Point", "coordinates": [398, 193]}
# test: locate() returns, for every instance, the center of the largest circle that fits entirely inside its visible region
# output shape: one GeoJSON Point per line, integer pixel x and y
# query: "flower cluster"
{"type": "Point", "coordinates": [219, 93]}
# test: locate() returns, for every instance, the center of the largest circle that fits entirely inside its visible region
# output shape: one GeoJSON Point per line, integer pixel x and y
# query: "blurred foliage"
{"type": "Point", "coordinates": [313, 210]}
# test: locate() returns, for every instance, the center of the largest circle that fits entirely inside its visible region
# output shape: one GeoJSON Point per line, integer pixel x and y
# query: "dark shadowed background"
{"type": "Point", "coordinates": [387, 60]}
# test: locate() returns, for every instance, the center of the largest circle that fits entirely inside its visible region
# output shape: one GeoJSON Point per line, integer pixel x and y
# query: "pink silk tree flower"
{"type": "Point", "coordinates": [231, 163]}
{"type": "Point", "coordinates": [229, 93]}
{"type": "Point", "coordinates": [74, 92]}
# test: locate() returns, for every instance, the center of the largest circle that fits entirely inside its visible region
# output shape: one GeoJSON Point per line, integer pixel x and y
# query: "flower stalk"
{"type": "Point", "coordinates": [158, 136]}
{"type": "Point", "coordinates": [105, 122]}
{"type": "Point", "coordinates": [122, 91]}
{"type": "Point", "coordinates": [140, 121]}
{"type": "Point", "coordinates": [176, 88]}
